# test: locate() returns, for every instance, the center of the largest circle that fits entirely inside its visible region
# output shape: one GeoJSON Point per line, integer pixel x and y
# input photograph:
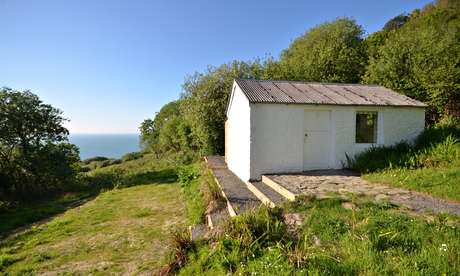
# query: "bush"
{"type": "Point", "coordinates": [132, 156]}
{"type": "Point", "coordinates": [185, 176]}
{"type": "Point", "coordinates": [85, 169]}
{"type": "Point", "coordinates": [114, 161]}
{"type": "Point", "coordinates": [88, 161]}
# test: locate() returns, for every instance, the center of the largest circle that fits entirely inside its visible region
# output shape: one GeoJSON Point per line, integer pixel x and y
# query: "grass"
{"type": "Point", "coordinates": [135, 223]}
{"type": "Point", "coordinates": [440, 182]}
{"type": "Point", "coordinates": [332, 240]}
{"type": "Point", "coordinates": [125, 229]}
{"type": "Point", "coordinates": [120, 231]}
{"type": "Point", "coordinates": [432, 166]}
{"type": "Point", "coordinates": [13, 219]}
{"type": "Point", "coordinates": [367, 239]}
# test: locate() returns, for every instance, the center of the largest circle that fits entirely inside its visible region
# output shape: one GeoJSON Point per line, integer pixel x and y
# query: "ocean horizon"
{"type": "Point", "coordinates": [110, 145]}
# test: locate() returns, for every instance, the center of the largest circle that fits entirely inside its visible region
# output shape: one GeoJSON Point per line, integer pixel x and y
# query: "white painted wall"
{"type": "Point", "coordinates": [239, 119]}
{"type": "Point", "coordinates": [395, 124]}
{"type": "Point", "coordinates": [277, 132]}
{"type": "Point", "coordinates": [268, 138]}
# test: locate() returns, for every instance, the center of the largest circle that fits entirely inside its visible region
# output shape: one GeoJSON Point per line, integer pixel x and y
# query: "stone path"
{"type": "Point", "coordinates": [329, 183]}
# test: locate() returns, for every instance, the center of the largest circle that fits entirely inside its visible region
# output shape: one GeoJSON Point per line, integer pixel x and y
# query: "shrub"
{"type": "Point", "coordinates": [185, 176]}
{"type": "Point", "coordinates": [88, 161]}
{"type": "Point", "coordinates": [85, 169]}
{"type": "Point", "coordinates": [132, 156]}
{"type": "Point", "coordinates": [114, 161]}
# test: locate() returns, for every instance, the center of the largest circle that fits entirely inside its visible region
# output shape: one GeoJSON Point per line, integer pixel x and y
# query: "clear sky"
{"type": "Point", "coordinates": [110, 64]}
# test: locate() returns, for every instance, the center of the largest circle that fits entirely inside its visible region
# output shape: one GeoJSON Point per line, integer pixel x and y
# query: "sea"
{"type": "Point", "coordinates": [106, 145]}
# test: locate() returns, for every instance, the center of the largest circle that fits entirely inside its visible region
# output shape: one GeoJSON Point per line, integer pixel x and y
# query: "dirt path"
{"type": "Point", "coordinates": [327, 183]}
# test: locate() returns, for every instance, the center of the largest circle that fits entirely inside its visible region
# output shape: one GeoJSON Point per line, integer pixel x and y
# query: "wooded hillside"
{"type": "Point", "coordinates": [417, 54]}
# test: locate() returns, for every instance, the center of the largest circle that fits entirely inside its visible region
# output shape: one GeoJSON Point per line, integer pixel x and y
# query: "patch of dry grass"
{"type": "Point", "coordinates": [123, 231]}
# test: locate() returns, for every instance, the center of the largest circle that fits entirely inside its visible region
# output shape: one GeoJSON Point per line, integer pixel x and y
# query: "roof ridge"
{"type": "Point", "coordinates": [308, 82]}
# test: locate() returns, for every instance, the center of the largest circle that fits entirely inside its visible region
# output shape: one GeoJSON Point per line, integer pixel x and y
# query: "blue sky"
{"type": "Point", "coordinates": [110, 64]}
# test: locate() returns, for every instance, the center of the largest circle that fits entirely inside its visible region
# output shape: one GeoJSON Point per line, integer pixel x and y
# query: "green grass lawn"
{"type": "Point", "coordinates": [135, 210]}
{"type": "Point", "coordinates": [334, 239]}
{"type": "Point", "coordinates": [124, 231]}
{"type": "Point", "coordinates": [440, 182]}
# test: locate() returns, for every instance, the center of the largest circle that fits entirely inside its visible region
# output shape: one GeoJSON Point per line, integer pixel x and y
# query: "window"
{"type": "Point", "coordinates": [366, 127]}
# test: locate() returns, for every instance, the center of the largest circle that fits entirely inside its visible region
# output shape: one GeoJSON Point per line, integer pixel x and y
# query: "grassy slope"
{"type": "Point", "coordinates": [127, 231]}
{"type": "Point", "coordinates": [124, 231]}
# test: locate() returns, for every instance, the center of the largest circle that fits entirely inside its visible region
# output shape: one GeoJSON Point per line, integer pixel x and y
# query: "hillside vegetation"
{"type": "Point", "coordinates": [60, 215]}
{"type": "Point", "coordinates": [136, 225]}
{"type": "Point", "coordinates": [416, 54]}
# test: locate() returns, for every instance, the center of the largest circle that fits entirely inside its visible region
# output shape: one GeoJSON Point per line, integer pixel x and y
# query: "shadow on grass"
{"type": "Point", "coordinates": [166, 176]}
{"type": "Point", "coordinates": [15, 220]}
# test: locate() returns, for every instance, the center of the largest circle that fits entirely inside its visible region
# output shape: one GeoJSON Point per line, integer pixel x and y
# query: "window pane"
{"type": "Point", "coordinates": [366, 127]}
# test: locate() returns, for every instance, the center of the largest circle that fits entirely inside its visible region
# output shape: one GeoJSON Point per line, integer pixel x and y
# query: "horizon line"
{"type": "Point", "coordinates": [105, 133]}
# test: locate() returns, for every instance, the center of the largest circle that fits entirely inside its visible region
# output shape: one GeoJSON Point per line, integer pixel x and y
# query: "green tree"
{"type": "Point", "coordinates": [330, 52]}
{"type": "Point", "coordinates": [396, 22]}
{"type": "Point", "coordinates": [33, 157]}
{"type": "Point", "coordinates": [421, 59]}
{"type": "Point", "coordinates": [167, 131]}
{"type": "Point", "coordinates": [205, 95]}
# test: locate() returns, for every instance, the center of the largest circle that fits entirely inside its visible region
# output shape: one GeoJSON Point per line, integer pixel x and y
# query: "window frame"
{"type": "Point", "coordinates": [375, 126]}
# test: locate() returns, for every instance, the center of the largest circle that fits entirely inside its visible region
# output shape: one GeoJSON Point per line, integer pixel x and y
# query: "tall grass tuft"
{"type": "Point", "coordinates": [182, 245]}
{"type": "Point", "coordinates": [436, 146]}
{"type": "Point", "coordinates": [439, 154]}
{"type": "Point", "coordinates": [378, 158]}
{"type": "Point", "coordinates": [262, 226]}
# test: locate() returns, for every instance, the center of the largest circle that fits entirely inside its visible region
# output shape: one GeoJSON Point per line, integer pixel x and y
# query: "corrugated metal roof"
{"type": "Point", "coordinates": [265, 91]}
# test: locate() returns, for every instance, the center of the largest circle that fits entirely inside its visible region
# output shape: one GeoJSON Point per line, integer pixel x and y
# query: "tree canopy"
{"type": "Point", "coordinates": [417, 54]}
{"type": "Point", "coordinates": [330, 52]}
{"type": "Point", "coordinates": [33, 157]}
{"type": "Point", "coordinates": [421, 59]}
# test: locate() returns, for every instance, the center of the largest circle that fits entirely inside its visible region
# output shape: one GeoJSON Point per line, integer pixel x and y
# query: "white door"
{"type": "Point", "coordinates": [316, 139]}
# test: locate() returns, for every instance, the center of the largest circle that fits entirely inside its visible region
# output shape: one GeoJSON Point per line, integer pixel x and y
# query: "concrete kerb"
{"type": "Point", "coordinates": [265, 200]}
{"type": "Point", "coordinates": [280, 189]}
{"type": "Point", "coordinates": [230, 208]}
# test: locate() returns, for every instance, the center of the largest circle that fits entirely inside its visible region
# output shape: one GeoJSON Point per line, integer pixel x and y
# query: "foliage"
{"type": "Point", "coordinates": [421, 59]}
{"type": "Point", "coordinates": [396, 22]}
{"type": "Point", "coordinates": [204, 101]}
{"type": "Point", "coordinates": [381, 157]}
{"type": "Point", "coordinates": [185, 176]}
{"type": "Point", "coordinates": [34, 157]}
{"type": "Point", "coordinates": [330, 52]}
{"type": "Point", "coordinates": [437, 146]}
{"type": "Point", "coordinates": [88, 161]}
{"type": "Point", "coordinates": [195, 122]}
{"type": "Point", "coordinates": [416, 54]}
{"type": "Point", "coordinates": [367, 240]}
{"type": "Point", "coordinates": [190, 182]}
{"type": "Point", "coordinates": [132, 156]}
{"type": "Point", "coordinates": [161, 134]}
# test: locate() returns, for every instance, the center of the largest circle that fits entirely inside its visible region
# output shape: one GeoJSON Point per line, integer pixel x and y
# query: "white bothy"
{"type": "Point", "coordinates": [267, 133]}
